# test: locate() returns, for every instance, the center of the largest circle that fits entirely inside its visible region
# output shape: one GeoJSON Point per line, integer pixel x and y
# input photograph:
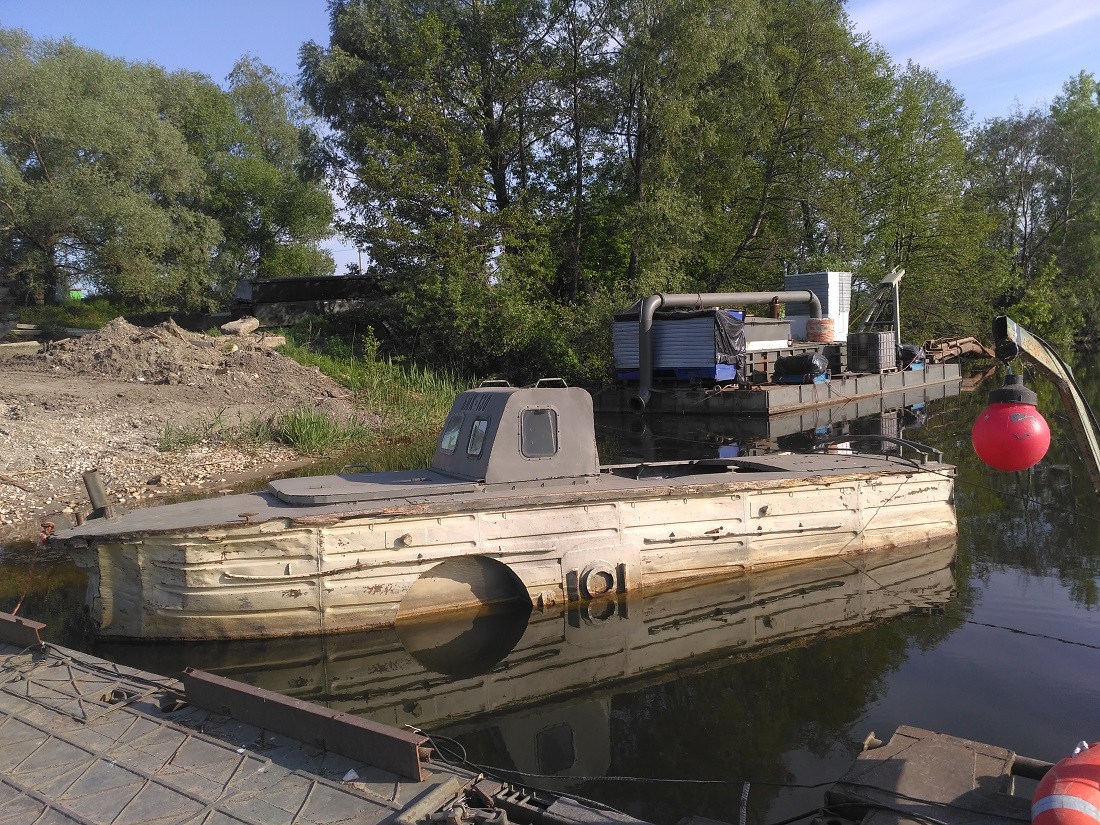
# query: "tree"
{"type": "Point", "coordinates": [159, 189]}
{"type": "Point", "coordinates": [272, 204]}
{"type": "Point", "coordinates": [95, 187]}
{"type": "Point", "coordinates": [921, 215]}
{"type": "Point", "coordinates": [252, 141]}
{"type": "Point", "coordinates": [430, 122]}
{"type": "Point", "coordinates": [1038, 176]}
{"type": "Point", "coordinates": [1075, 194]}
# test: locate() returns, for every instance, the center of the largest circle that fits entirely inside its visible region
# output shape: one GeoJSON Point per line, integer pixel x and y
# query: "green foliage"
{"type": "Point", "coordinates": [412, 400]}
{"type": "Point", "coordinates": [157, 189]}
{"type": "Point", "coordinates": [89, 313]}
{"type": "Point", "coordinates": [314, 432]}
{"type": "Point", "coordinates": [515, 171]}
{"type": "Point", "coordinates": [179, 437]}
{"type": "Point", "coordinates": [1046, 308]}
{"type": "Point", "coordinates": [96, 186]}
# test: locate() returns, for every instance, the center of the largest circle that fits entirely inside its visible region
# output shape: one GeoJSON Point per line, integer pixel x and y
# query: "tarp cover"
{"type": "Point", "coordinates": [729, 338]}
{"type": "Point", "coordinates": [729, 329]}
{"type": "Point", "coordinates": [812, 363]}
{"type": "Point", "coordinates": [912, 354]}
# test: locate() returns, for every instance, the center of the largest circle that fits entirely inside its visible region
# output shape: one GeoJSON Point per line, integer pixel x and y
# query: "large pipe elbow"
{"type": "Point", "coordinates": [646, 311]}
{"type": "Point", "coordinates": [648, 307]}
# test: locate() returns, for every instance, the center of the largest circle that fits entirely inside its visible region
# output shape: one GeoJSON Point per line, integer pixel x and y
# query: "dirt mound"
{"type": "Point", "coordinates": [106, 400]}
{"type": "Point", "coordinates": [243, 366]}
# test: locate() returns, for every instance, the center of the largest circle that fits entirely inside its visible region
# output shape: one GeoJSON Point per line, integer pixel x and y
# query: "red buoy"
{"type": "Point", "coordinates": [1069, 794]}
{"type": "Point", "coordinates": [1011, 434]}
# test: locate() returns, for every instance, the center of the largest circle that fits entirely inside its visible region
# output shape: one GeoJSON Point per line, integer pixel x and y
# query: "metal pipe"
{"type": "Point", "coordinates": [698, 300]}
{"type": "Point", "coordinates": [1030, 768]}
{"type": "Point", "coordinates": [97, 494]}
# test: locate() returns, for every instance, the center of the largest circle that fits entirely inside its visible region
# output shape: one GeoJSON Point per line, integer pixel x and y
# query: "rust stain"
{"type": "Point", "coordinates": [383, 589]}
{"type": "Point", "coordinates": [292, 594]}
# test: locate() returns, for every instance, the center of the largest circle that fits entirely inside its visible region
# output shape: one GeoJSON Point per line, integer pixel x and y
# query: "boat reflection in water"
{"type": "Point", "coordinates": [677, 437]}
{"type": "Point", "coordinates": [476, 671]}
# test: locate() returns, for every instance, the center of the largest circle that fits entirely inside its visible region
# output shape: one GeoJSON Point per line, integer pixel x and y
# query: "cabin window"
{"type": "Point", "coordinates": [538, 433]}
{"type": "Point", "coordinates": [477, 437]}
{"type": "Point", "coordinates": [449, 440]}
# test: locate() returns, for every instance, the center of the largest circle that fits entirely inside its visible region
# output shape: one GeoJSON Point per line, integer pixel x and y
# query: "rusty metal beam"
{"type": "Point", "coordinates": [361, 739]}
{"type": "Point", "coordinates": [940, 350]}
{"type": "Point", "coordinates": [19, 631]}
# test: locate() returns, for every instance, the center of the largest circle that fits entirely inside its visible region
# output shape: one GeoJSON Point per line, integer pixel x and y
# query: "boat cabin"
{"type": "Point", "coordinates": [500, 434]}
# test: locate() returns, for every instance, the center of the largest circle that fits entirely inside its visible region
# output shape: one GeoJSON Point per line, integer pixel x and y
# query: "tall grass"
{"type": "Point", "coordinates": [411, 400]}
{"type": "Point", "coordinates": [313, 432]}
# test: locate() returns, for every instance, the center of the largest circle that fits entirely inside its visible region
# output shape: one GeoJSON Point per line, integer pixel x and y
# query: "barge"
{"type": "Point", "coordinates": [689, 354]}
{"type": "Point", "coordinates": [515, 505]}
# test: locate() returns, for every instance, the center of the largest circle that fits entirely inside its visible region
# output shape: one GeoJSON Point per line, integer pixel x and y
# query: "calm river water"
{"type": "Point", "coordinates": [662, 706]}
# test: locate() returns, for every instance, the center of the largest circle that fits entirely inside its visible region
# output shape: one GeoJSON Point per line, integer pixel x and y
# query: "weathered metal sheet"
{"type": "Point", "coordinates": [86, 741]}
{"type": "Point", "coordinates": [919, 773]}
{"type": "Point", "coordinates": [19, 631]}
{"type": "Point", "coordinates": [573, 649]}
{"type": "Point", "coordinates": [386, 748]}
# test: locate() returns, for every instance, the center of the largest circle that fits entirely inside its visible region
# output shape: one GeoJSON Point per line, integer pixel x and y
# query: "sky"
{"type": "Point", "coordinates": [998, 54]}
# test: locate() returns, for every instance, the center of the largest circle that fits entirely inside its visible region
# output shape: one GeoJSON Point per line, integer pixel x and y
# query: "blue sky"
{"type": "Point", "coordinates": [997, 54]}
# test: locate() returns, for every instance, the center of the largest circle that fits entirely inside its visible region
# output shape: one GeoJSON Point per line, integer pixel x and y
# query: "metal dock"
{"type": "Point", "coordinates": [89, 742]}
{"type": "Point", "coordinates": [920, 776]}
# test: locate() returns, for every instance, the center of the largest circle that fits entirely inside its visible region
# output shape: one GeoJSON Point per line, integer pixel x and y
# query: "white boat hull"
{"type": "Point", "coordinates": [340, 571]}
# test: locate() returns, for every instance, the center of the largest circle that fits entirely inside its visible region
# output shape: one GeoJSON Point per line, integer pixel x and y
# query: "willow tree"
{"type": "Point", "coordinates": [1075, 197]}
{"type": "Point", "coordinates": [155, 188]}
{"type": "Point", "coordinates": [95, 186]}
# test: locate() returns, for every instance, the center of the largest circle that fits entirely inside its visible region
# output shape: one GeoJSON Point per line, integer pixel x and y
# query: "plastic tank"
{"type": "Point", "coordinates": [872, 352]}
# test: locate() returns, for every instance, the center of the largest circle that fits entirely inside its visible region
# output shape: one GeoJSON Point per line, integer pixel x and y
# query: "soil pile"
{"type": "Point", "coordinates": [167, 354]}
{"type": "Point", "coordinates": [104, 400]}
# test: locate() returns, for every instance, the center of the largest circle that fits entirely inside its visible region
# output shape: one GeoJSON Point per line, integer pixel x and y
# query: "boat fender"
{"type": "Point", "coordinates": [1069, 794]}
{"type": "Point", "coordinates": [598, 579]}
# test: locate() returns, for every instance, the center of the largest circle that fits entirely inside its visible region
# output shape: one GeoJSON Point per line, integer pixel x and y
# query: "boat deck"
{"type": "Point", "coordinates": [330, 498]}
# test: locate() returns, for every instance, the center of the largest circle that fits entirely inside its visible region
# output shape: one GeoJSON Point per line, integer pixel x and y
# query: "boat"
{"type": "Point", "coordinates": [514, 505]}
{"type": "Point", "coordinates": [501, 667]}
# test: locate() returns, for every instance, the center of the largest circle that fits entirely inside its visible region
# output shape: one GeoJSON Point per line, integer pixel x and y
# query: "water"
{"type": "Point", "coordinates": [776, 680]}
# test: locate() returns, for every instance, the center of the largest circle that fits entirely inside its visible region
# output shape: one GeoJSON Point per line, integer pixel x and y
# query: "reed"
{"type": "Point", "coordinates": [410, 400]}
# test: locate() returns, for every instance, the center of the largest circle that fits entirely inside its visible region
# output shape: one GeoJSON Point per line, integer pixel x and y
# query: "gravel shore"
{"type": "Point", "coordinates": [103, 401]}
